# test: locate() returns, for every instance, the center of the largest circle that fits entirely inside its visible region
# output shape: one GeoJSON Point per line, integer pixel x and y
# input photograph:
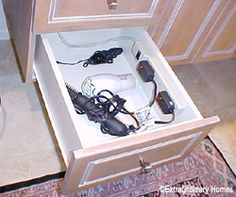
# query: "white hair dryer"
{"type": "Point", "coordinates": [115, 83]}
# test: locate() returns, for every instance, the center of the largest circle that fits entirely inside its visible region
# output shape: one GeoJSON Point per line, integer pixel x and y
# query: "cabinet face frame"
{"type": "Point", "coordinates": [19, 15]}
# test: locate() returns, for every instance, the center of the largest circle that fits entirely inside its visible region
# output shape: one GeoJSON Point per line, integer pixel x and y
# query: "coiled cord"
{"type": "Point", "coordinates": [103, 109]}
{"type": "Point", "coordinates": [109, 107]}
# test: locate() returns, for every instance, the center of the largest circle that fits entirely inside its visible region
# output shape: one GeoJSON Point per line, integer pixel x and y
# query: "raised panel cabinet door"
{"type": "Point", "coordinates": [219, 41]}
{"type": "Point", "coordinates": [178, 37]}
{"type": "Point", "coordinates": [189, 31]}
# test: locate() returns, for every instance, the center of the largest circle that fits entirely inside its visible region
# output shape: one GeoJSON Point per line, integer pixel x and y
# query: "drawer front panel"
{"type": "Point", "coordinates": [69, 15]}
{"type": "Point", "coordinates": [115, 160]}
{"type": "Point", "coordinates": [83, 9]}
{"type": "Point", "coordinates": [128, 162]}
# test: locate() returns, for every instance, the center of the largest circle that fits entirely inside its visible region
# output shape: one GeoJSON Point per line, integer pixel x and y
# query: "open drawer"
{"type": "Point", "coordinates": [91, 156]}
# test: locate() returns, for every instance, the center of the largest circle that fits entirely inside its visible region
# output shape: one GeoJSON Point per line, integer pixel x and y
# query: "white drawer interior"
{"type": "Point", "coordinates": [84, 132]}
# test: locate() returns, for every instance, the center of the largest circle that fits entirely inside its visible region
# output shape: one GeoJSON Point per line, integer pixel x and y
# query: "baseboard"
{"type": "Point", "coordinates": [4, 35]}
{"type": "Point", "coordinates": [31, 182]}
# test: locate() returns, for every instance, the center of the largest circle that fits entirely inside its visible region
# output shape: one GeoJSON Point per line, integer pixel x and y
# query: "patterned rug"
{"type": "Point", "coordinates": [203, 173]}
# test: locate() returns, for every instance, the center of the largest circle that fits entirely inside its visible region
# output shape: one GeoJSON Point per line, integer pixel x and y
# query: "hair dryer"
{"type": "Point", "coordinates": [114, 83]}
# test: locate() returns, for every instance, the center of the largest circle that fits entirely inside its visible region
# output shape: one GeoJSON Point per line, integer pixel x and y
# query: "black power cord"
{"type": "Point", "coordinates": [154, 94]}
{"type": "Point", "coordinates": [147, 73]}
{"type": "Point", "coordinates": [99, 57]}
{"type": "Point", "coordinates": [103, 110]}
{"type": "Point", "coordinates": [166, 122]}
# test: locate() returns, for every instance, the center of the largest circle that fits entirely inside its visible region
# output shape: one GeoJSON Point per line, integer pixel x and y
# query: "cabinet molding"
{"type": "Point", "coordinates": [219, 41]}
{"type": "Point", "coordinates": [54, 17]}
{"type": "Point", "coordinates": [196, 37]}
{"type": "Point", "coordinates": [182, 144]}
{"type": "Point", "coordinates": [209, 51]}
{"type": "Point", "coordinates": [171, 20]}
{"type": "Point", "coordinates": [195, 31]}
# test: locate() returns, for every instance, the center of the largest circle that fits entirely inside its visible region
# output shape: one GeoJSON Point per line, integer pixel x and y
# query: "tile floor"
{"type": "Point", "coordinates": [27, 148]}
{"type": "Point", "coordinates": [27, 145]}
{"type": "Point", "coordinates": [212, 86]}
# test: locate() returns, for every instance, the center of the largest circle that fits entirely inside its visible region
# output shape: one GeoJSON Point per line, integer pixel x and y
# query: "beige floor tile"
{"type": "Point", "coordinates": [212, 88]}
{"type": "Point", "coordinates": [27, 145]}
{"type": "Point", "coordinates": [7, 59]}
{"type": "Point", "coordinates": [21, 167]}
{"type": "Point", "coordinates": [232, 110]}
{"type": "Point", "coordinates": [224, 137]}
{"type": "Point", "coordinates": [198, 89]}
{"type": "Point", "coordinates": [220, 76]}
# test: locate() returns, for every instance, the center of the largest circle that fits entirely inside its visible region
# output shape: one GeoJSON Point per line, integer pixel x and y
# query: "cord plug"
{"type": "Point", "coordinates": [104, 56]}
{"type": "Point", "coordinates": [99, 57]}
{"type": "Point", "coordinates": [145, 71]}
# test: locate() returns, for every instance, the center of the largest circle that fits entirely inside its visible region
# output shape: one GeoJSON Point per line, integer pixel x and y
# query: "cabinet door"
{"type": "Point", "coordinates": [195, 31]}
{"type": "Point", "coordinates": [219, 41]}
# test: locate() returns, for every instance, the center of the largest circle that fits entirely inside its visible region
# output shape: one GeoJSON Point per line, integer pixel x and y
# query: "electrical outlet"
{"type": "Point", "coordinates": [137, 52]}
